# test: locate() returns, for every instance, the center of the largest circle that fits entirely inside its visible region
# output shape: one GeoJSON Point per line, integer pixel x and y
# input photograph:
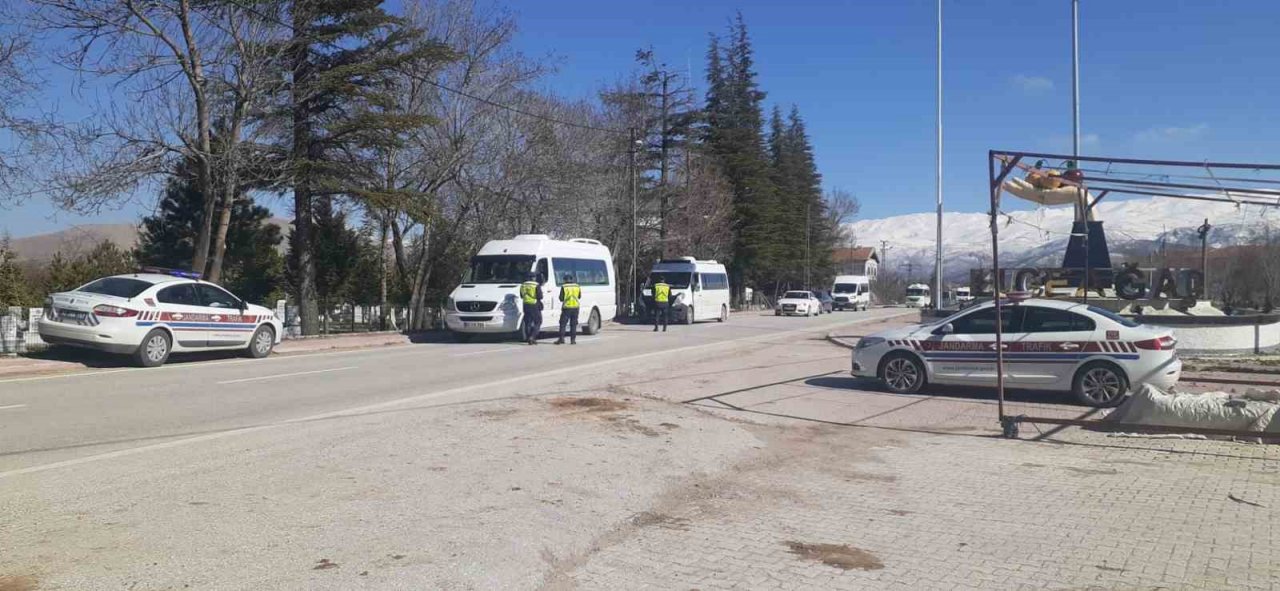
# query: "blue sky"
{"type": "Point", "coordinates": [1161, 79]}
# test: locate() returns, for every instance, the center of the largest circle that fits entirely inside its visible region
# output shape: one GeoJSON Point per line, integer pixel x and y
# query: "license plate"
{"type": "Point", "coordinates": [472, 325]}
{"type": "Point", "coordinates": [73, 315]}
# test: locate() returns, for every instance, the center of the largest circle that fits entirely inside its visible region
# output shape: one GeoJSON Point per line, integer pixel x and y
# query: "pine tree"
{"type": "Point", "coordinates": [67, 272]}
{"type": "Point", "coordinates": [335, 252]}
{"type": "Point", "coordinates": [15, 288]}
{"type": "Point", "coordinates": [734, 121]}
{"type": "Point", "coordinates": [252, 265]}
{"type": "Point", "coordinates": [342, 56]}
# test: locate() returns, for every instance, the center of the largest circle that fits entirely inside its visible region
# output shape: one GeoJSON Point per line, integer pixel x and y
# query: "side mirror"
{"type": "Point", "coordinates": [945, 329]}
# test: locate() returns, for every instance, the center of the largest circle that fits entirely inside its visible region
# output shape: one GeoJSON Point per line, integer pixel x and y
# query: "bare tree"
{"type": "Point", "coordinates": [165, 59]}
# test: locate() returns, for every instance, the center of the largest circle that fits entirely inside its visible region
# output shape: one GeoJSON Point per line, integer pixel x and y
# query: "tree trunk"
{"type": "Point", "coordinates": [382, 272]}
{"type": "Point", "coordinates": [229, 188]}
{"type": "Point", "coordinates": [303, 148]}
{"type": "Point", "coordinates": [397, 246]}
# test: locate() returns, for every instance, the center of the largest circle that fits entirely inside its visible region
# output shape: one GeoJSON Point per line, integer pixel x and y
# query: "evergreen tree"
{"type": "Point", "coordinates": [252, 265]}
{"type": "Point", "coordinates": [733, 134]}
{"type": "Point", "coordinates": [67, 272]}
{"type": "Point", "coordinates": [335, 252]}
{"type": "Point", "coordinates": [15, 288]}
{"type": "Point", "coordinates": [342, 56]}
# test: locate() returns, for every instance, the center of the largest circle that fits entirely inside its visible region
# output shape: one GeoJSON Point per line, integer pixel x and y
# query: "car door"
{"type": "Point", "coordinates": [180, 308]}
{"type": "Point", "coordinates": [967, 354]}
{"type": "Point", "coordinates": [222, 315]}
{"type": "Point", "coordinates": [697, 287]}
{"type": "Point", "coordinates": [1053, 344]}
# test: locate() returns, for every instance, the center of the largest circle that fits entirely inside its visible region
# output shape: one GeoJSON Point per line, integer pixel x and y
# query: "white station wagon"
{"type": "Point", "coordinates": [156, 312]}
{"type": "Point", "coordinates": [1049, 345]}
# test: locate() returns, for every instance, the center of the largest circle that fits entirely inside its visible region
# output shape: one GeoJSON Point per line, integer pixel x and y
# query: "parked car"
{"type": "Point", "coordinates": [1049, 345]}
{"type": "Point", "coordinates": [826, 303]}
{"type": "Point", "coordinates": [803, 303]}
{"type": "Point", "coordinates": [155, 312]}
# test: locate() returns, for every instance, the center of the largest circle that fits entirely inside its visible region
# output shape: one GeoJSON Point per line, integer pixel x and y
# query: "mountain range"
{"type": "Point", "coordinates": [1038, 237]}
{"type": "Point", "coordinates": [76, 239]}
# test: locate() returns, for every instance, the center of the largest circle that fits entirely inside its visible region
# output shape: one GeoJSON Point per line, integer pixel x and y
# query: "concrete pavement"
{"type": "Point", "coordinates": [720, 457]}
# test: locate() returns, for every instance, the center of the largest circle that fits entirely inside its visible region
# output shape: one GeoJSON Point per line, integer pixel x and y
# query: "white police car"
{"type": "Point", "coordinates": [155, 312]}
{"type": "Point", "coordinates": [1048, 345]}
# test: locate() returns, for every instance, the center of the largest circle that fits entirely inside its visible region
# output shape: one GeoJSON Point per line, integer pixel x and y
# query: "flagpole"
{"type": "Point", "coordinates": [937, 264]}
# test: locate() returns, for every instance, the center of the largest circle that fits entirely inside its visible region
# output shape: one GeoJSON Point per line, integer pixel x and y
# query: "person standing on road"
{"type": "Point", "coordinates": [661, 302]}
{"type": "Point", "coordinates": [531, 297]}
{"type": "Point", "coordinates": [570, 294]}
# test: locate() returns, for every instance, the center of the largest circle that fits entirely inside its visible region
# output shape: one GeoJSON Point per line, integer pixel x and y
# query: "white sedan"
{"type": "Point", "coordinates": [151, 314]}
{"type": "Point", "coordinates": [1048, 345]}
{"type": "Point", "coordinates": [803, 303]}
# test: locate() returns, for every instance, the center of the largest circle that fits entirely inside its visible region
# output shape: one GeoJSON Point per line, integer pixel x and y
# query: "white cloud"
{"type": "Point", "coordinates": [1171, 133]}
{"type": "Point", "coordinates": [1032, 84]}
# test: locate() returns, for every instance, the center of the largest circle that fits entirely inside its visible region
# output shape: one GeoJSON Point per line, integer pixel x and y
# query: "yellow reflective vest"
{"type": "Point", "coordinates": [529, 292]}
{"type": "Point", "coordinates": [661, 292]}
{"type": "Point", "coordinates": [570, 293]}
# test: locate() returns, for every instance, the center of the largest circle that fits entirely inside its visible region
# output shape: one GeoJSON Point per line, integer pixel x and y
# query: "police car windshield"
{"type": "Point", "coordinates": [796, 295]}
{"type": "Point", "coordinates": [499, 268]}
{"type": "Point", "coordinates": [121, 287]}
{"type": "Point", "coordinates": [676, 279]}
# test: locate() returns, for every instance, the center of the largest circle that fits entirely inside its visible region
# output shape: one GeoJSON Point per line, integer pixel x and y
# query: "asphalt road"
{"type": "Point", "coordinates": [62, 421]}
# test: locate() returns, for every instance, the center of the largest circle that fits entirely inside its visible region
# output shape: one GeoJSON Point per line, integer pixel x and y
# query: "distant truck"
{"type": "Point", "coordinates": [851, 292]}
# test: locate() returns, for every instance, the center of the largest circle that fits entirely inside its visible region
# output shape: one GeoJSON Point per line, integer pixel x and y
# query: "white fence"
{"type": "Point", "coordinates": [18, 331]}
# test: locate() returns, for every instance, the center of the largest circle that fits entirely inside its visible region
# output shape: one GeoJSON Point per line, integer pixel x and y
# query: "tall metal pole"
{"type": "Point", "coordinates": [806, 245]}
{"type": "Point", "coordinates": [1075, 79]}
{"type": "Point", "coordinates": [937, 263]}
{"type": "Point", "coordinates": [1081, 194]}
{"type": "Point", "coordinates": [635, 220]}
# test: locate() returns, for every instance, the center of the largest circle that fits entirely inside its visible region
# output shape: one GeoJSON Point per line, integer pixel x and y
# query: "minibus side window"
{"type": "Point", "coordinates": [542, 271]}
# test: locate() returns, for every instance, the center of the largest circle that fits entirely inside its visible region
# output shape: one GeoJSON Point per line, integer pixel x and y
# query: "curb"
{"type": "Point", "coordinates": [841, 341]}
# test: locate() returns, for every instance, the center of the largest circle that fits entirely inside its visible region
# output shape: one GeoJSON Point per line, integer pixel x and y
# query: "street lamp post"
{"type": "Point", "coordinates": [937, 263]}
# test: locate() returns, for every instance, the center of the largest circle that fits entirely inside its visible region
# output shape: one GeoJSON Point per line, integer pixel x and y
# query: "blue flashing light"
{"type": "Point", "coordinates": [172, 272]}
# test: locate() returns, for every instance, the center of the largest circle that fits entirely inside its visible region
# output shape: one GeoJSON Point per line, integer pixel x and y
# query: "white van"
{"type": "Point", "coordinates": [699, 289]}
{"type": "Point", "coordinates": [918, 296]}
{"type": "Point", "coordinates": [851, 292]}
{"type": "Point", "coordinates": [488, 299]}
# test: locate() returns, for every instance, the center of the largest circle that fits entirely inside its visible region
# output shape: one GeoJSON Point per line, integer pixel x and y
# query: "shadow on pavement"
{"type": "Point", "coordinates": [89, 358]}
{"type": "Point", "coordinates": [958, 392]}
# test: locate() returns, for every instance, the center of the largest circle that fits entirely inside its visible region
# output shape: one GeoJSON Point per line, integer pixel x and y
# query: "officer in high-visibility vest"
{"type": "Point", "coordinates": [661, 302]}
{"type": "Point", "coordinates": [531, 297]}
{"type": "Point", "coordinates": [570, 295]}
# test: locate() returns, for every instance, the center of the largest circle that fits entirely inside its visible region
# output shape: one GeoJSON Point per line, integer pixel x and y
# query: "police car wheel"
{"type": "Point", "coordinates": [902, 373]}
{"type": "Point", "coordinates": [263, 341]}
{"type": "Point", "coordinates": [1100, 384]}
{"type": "Point", "coordinates": [154, 350]}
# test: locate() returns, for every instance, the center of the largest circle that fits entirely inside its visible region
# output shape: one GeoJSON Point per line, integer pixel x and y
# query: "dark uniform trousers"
{"type": "Point", "coordinates": [532, 321]}
{"type": "Point", "coordinates": [569, 317]}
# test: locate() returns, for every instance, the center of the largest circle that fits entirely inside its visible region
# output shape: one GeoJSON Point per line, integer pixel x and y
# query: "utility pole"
{"type": "Point", "coordinates": [937, 263]}
{"type": "Point", "coordinates": [1203, 230]}
{"type": "Point", "coordinates": [635, 219]}
{"type": "Point", "coordinates": [806, 245]}
{"type": "Point", "coordinates": [884, 253]}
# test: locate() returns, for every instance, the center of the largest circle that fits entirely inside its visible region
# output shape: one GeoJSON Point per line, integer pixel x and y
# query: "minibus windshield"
{"type": "Point", "coordinates": [498, 268]}
{"type": "Point", "coordinates": [676, 279]}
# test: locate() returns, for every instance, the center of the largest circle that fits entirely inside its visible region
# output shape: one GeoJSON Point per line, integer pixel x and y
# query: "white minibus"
{"type": "Point", "coordinates": [918, 296]}
{"type": "Point", "coordinates": [488, 299]}
{"type": "Point", "coordinates": [699, 289]}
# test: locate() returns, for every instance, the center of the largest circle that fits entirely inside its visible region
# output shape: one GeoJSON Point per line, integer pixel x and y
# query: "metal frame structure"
{"type": "Point", "coordinates": [1245, 191]}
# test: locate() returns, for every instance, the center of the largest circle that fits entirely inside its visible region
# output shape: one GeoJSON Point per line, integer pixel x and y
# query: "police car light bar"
{"type": "Point", "coordinates": [173, 272]}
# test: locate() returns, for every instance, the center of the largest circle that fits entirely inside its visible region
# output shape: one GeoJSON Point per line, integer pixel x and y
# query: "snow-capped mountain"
{"type": "Point", "coordinates": [1038, 237]}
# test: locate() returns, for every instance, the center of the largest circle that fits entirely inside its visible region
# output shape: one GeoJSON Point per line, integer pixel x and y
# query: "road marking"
{"type": "Point", "coordinates": [482, 352]}
{"type": "Point", "coordinates": [573, 369]}
{"type": "Point", "coordinates": [286, 375]}
{"type": "Point", "coordinates": [12, 406]}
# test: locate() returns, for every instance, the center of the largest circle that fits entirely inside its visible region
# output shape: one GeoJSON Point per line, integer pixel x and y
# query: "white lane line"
{"type": "Point", "coordinates": [483, 351]}
{"type": "Point", "coordinates": [573, 369]}
{"type": "Point", "coordinates": [12, 406]}
{"type": "Point", "coordinates": [286, 375]}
